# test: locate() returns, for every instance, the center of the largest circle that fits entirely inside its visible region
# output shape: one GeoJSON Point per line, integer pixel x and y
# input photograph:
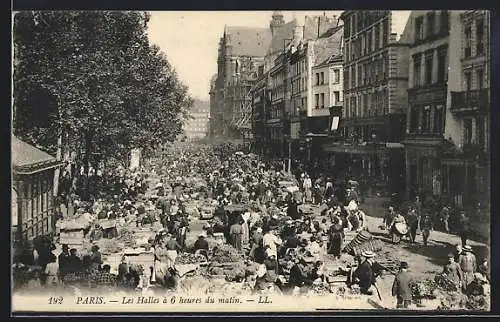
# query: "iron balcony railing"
{"type": "Point", "coordinates": [470, 101]}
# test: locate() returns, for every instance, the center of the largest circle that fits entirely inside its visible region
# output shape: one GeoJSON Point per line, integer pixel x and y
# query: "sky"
{"type": "Point", "coordinates": [190, 39]}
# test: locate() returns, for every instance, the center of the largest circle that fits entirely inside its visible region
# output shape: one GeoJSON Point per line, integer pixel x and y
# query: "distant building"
{"type": "Point", "coordinates": [196, 127]}
{"type": "Point", "coordinates": [285, 82]}
{"type": "Point", "coordinates": [241, 52]}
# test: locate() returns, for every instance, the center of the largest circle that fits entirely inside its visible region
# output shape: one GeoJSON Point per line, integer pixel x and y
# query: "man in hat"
{"type": "Point", "coordinates": [63, 260]}
{"type": "Point", "coordinates": [463, 228]}
{"type": "Point", "coordinates": [468, 264]}
{"type": "Point", "coordinates": [201, 243]}
{"type": "Point", "coordinates": [453, 272]}
{"type": "Point", "coordinates": [367, 273]}
{"type": "Point", "coordinates": [426, 227]}
{"type": "Point", "coordinates": [401, 287]}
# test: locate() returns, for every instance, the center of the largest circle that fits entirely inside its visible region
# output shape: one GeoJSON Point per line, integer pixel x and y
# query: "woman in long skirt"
{"type": "Point", "coordinates": [336, 238]}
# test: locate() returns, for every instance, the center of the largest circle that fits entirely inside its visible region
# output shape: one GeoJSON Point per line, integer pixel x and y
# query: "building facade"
{"type": "Point", "coordinates": [32, 192]}
{"type": "Point", "coordinates": [288, 67]}
{"type": "Point", "coordinates": [447, 144]}
{"type": "Point", "coordinates": [375, 97]}
{"type": "Point", "coordinates": [241, 52]}
{"type": "Point", "coordinates": [427, 97]}
{"type": "Point", "coordinates": [196, 127]}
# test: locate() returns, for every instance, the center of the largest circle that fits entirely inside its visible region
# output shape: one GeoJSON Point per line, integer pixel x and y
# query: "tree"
{"type": "Point", "coordinates": [93, 79]}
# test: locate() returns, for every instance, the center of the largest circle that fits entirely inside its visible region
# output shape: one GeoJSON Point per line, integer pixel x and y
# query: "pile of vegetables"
{"type": "Point", "coordinates": [226, 254]}
{"type": "Point", "coordinates": [110, 246]}
{"type": "Point", "coordinates": [478, 303]}
{"type": "Point", "coordinates": [445, 284]}
{"type": "Point", "coordinates": [425, 289]}
{"type": "Point", "coordinates": [127, 238]}
{"type": "Point", "coordinates": [188, 258]}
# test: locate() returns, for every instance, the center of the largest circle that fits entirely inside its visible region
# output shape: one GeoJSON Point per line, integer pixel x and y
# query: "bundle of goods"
{"type": "Point", "coordinates": [453, 301]}
{"type": "Point", "coordinates": [445, 283]}
{"type": "Point", "coordinates": [229, 271]}
{"type": "Point", "coordinates": [225, 254]}
{"type": "Point", "coordinates": [188, 258]}
{"type": "Point", "coordinates": [364, 241]}
{"type": "Point", "coordinates": [126, 237]}
{"type": "Point", "coordinates": [110, 246]}
{"type": "Point", "coordinates": [426, 289]}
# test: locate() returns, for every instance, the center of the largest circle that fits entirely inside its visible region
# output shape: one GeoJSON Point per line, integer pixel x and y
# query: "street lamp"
{"type": "Point", "coordinates": [308, 143]}
{"type": "Point", "coordinates": [287, 137]}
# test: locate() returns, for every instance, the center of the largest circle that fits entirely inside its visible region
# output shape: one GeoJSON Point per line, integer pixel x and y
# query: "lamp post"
{"type": "Point", "coordinates": [308, 143]}
{"type": "Point", "coordinates": [287, 137]}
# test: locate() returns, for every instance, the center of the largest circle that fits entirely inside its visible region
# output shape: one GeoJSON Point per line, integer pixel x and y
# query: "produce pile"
{"type": "Point", "coordinates": [226, 254]}
{"type": "Point", "coordinates": [188, 258]}
{"type": "Point", "coordinates": [127, 238]}
{"type": "Point", "coordinates": [110, 246]}
{"type": "Point", "coordinates": [233, 272]}
{"type": "Point", "coordinates": [426, 289]}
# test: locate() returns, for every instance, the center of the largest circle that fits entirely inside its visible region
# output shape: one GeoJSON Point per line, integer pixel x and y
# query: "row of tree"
{"type": "Point", "coordinates": [90, 82]}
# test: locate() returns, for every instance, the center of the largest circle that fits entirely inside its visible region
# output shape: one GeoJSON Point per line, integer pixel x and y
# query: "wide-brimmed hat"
{"type": "Point", "coordinates": [467, 248]}
{"type": "Point", "coordinates": [368, 253]}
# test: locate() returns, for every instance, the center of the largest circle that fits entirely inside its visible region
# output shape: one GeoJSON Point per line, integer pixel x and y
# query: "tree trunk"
{"type": "Point", "coordinates": [57, 172]}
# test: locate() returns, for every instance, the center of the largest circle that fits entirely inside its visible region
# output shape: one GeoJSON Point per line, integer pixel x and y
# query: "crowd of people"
{"type": "Point", "coordinates": [264, 212]}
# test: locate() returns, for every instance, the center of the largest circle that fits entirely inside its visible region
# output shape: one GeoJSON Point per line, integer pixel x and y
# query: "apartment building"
{"type": "Point", "coordinates": [466, 164]}
{"type": "Point", "coordinates": [375, 96]}
{"type": "Point", "coordinates": [427, 97]}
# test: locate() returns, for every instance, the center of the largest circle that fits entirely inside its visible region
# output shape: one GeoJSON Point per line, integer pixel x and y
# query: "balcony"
{"type": "Point", "coordinates": [470, 102]}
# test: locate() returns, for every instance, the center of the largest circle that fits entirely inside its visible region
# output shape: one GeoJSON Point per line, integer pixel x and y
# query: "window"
{"type": "Point", "coordinates": [359, 74]}
{"type": "Point", "coordinates": [336, 76]}
{"type": "Point", "coordinates": [468, 41]}
{"type": "Point", "coordinates": [369, 36]}
{"type": "Point", "coordinates": [431, 24]}
{"type": "Point", "coordinates": [322, 100]}
{"type": "Point", "coordinates": [346, 79]}
{"type": "Point", "coordinates": [426, 119]}
{"type": "Point", "coordinates": [442, 67]}
{"type": "Point", "coordinates": [317, 78]}
{"type": "Point", "coordinates": [479, 36]}
{"type": "Point", "coordinates": [480, 135]}
{"type": "Point", "coordinates": [467, 131]}
{"type": "Point", "coordinates": [353, 76]}
{"type": "Point", "coordinates": [417, 70]}
{"type": "Point", "coordinates": [444, 22]}
{"type": "Point", "coordinates": [316, 100]}
{"type": "Point", "coordinates": [428, 68]}
{"type": "Point", "coordinates": [336, 96]}
{"type": "Point", "coordinates": [480, 78]}
{"type": "Point", "coordinates": [419, 28]}
{"type": "Point", "coordinates": [322, 78]}
{"type": "Point", "coordinates": [414, 119]}
{"type": "Point", "coordinates": [377, 36]}
{"type": "Point", "coordinates": [438, 118]}
{"type": "Point", "coordinates": [468, 81]}
{"type": "Point", "coordinates": [385, 32]}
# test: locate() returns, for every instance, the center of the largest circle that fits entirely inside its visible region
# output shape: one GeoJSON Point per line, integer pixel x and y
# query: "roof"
{"type": "Point", "coordinates": [26, 157]}
{"type": "Point", "coordinates": [326, 47]}
{"type": "Point", "coordinates": [283, 34]}
{"type": "Point", "coordinates": [248, 41]}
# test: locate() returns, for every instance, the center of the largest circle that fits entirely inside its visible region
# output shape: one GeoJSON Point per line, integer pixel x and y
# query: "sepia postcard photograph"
{"type": "Point", "coordinates": [250, 161]}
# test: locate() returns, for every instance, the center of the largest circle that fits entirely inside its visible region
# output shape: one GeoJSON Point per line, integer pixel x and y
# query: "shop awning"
{"type": "Point", "coordinates": [26, 159]}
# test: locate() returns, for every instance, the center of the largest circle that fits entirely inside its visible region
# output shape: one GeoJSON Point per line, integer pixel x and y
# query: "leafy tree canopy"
{"type": "Point", "coordinates": [93, 77]}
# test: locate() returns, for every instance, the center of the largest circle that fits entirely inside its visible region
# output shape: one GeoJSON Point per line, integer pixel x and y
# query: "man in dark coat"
{"type": "Point", "coordinates": [412, 220]}
{"type": "Point", "coordinates": [401, 287]}
{"type": "Point", "coordinates": [367, 273]}
{"type": "Point", "coordinates": [63, 260]}
{"type": "Point", "coordinates": [292, 211]}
